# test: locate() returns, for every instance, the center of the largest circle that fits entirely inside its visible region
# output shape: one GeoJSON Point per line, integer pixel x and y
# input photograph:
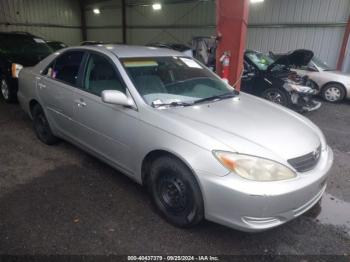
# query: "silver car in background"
{"type": "Point", "coordinates": [334, 85]}
{"type": "Point", "coordinates": [203, 149]}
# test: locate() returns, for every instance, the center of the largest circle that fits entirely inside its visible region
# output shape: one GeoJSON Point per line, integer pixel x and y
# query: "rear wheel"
{"type": "Point", "coordinates": [175, 192]}
{"type": "Point", "coordinates": [277, 96]}
{"type": "Point", "coordinates": [333, 92]}
{"type": "Point", "coordinates": [41, 127]}
{"type": "Point", "coordinates": [6, 91]}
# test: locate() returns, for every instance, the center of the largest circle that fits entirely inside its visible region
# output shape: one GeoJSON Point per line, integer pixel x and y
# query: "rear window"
{"type": "Point", "coordinates": [23, 45]}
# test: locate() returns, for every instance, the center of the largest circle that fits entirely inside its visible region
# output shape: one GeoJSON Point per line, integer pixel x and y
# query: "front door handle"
{"type": "Point", "coordinates": [80, 103]}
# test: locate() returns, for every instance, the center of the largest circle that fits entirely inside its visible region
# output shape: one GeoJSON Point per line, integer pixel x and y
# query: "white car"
{"type": "Point", "coordinates": [334, 85]}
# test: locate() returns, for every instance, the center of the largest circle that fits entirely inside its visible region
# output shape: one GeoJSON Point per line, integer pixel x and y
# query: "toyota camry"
{"type": "Point", "coordinates": [203, 149]}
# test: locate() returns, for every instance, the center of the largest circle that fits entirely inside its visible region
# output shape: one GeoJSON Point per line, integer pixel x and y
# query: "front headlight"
{"type": "Point", "coordinates": [15, 68]}
{"type": "Point", "coordinates": [254, 168]}
{"type": "Point", "coordinates": [301, 89]}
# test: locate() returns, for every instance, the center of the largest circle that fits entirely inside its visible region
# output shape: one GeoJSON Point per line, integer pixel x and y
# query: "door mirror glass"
{"type": "Point", "coordinates": [248, 71]}
{"type": "Point", "coordinates": [247, 68]}
{"type": "Point", "coordinates": [248, 76]}
{"type": "Point", "coordinates": [116, 98]}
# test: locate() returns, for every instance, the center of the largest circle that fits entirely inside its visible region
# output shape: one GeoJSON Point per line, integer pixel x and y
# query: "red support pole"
{"type": "Point", "coordinates": [232, 23]}
{"type": "Point", "coordinates": [344, 45]}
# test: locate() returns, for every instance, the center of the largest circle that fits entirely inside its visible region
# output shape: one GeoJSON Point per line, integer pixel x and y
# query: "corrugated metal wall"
{"type": "Point", "coordinates": [107, 25]}
{"type": "Point", "coordinates": [284, 25]}
{"type": "Point", "coordinates": [50, 19]}
{"type": "Point", "coordinates": [174, 23]}
{"type": "Point", "coordinates": [275, 25]}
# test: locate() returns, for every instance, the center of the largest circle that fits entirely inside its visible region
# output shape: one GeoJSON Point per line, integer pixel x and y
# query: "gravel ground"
{"type": "Point", "coordinates": [59, 200]}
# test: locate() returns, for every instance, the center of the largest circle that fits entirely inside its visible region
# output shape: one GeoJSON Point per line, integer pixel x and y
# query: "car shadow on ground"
{"type": "Point", "coordinates": [59, 200]}
{"type": "Point", "coordinates": [89, 208]}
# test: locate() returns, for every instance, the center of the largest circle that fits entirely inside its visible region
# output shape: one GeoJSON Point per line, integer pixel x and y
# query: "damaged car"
{"type": "Point", "coordinates": [274, 80]}
{"type": "Point", "coordinates": [333, 85]}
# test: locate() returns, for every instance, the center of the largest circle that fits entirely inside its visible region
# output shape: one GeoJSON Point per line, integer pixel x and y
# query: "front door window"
{"type": "Point", "coordinates": [101, 75]}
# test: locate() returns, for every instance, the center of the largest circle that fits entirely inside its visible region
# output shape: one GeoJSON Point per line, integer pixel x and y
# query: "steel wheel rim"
{"type": "Point", "coordinates": [173, 194]}
{"type": "Point", "coordinates": [4, 89]}
{"type": "Point", "coordinates": [333, 94]}
{"type": "Point", "coordinates": [274, 97]}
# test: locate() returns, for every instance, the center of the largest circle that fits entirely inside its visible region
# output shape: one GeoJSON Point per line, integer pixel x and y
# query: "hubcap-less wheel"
{"type": "Point", "coordinates": [274, 97]}
{"type": "Point", "coordinates": [332, 94]}
{"type": "Point", "coordinates": [41, 127]}
{"type": "Point", "coordinates": [173, 194]}
{"type": "Point", "coordinates": [175, 191]}
{"type": "Point", "coordinates": [5, 89]}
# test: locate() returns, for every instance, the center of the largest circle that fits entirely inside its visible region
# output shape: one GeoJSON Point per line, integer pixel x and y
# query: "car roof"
{"type": "Point", "coordinates": [129, 51]}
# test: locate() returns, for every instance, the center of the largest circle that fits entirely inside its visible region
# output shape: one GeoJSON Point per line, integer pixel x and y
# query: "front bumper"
{"type": "Point", "coordinates": [255, 206]}
{"type": "Point", "coordinates": [304, 103]}
{"type": "Point", "coordinates": [312, 106]}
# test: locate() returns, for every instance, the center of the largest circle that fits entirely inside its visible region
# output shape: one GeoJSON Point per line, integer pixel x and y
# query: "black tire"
{"type": "Point", "coordinates": [278, 96]}
{"type": "Point", "coordinates": [333, 92]}
{"type": "Point", "coordinates": [175, 192]}
{"type": "Point", "coordinates": [42, 128]}
{"type": "Point", "coordinates": [7, 93]}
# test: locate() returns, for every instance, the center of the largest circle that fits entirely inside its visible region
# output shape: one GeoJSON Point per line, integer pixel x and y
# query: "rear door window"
{"type": "Point", "coordinates": [66, 67]}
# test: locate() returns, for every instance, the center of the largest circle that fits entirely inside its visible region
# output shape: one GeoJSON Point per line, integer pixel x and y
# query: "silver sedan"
{"type": "Point", "coordinates": [203, 149]}
{"type": "Point", "coordinates": [333, 85]}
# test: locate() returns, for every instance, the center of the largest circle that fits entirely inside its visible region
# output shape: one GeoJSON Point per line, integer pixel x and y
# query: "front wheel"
{"type": "Point", "coordinates": [277, 96]}
{"type": "Point", "coordinates": [333, 92]}
{"type": "Point", "coordinates": [42, 128]}
{"type": "Point", "coordinates": [175, 192]}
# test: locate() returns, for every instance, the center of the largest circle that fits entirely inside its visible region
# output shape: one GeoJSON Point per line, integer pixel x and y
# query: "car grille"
{"type": "Point", "coordinates": [306, 162]}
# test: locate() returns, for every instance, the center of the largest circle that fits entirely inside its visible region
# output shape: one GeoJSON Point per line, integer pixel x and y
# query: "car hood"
{"type": "Point", "coordinates": [300, 57]}
{"type": "Point", "coordinates": [336, 73]}
{"type": "Point", "coordinates": [251, 123]}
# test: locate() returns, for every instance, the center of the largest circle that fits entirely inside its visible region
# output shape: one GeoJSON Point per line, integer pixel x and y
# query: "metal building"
{"type": "Point", "coordinates": [275, 25]}
{"type": "Point", "coordinates": [52, 20]}
{"type": "Point", "coordinates": [283, 25]}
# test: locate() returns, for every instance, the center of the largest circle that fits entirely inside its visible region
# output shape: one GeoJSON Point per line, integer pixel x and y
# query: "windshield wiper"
{"type": "Point", "coordinates": [156, 105]}
{"type": "Point", "coordinates": [218, 97]}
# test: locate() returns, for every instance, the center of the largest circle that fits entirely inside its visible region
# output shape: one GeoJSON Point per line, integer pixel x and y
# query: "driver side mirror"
{"type": "Point", "coordinates": [248, 71]}
{"type": "Point", "coordinates": [116, 98]}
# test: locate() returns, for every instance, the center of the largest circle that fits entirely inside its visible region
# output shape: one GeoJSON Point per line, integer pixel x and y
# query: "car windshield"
{"type": "Point", "coordinates": [261, 60]}
{"type": "Point", "coordinates": [175, 81]}
{"type": "Point", "coordinates": [323, 65]}
{"type": "Point", "coordinates": [23, 45]}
